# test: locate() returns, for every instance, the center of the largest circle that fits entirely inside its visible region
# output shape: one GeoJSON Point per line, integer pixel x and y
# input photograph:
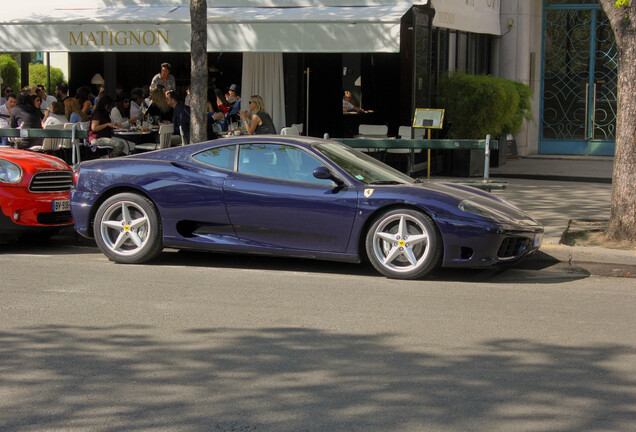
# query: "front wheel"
{"type": "Point", "coordinates": [128, 229]}
{"type": "Point", "coordinates": [404, 244]}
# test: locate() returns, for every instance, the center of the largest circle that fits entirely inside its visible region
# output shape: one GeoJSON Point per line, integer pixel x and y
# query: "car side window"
{"type": "Point", "coordinates": [281, 162]}
{"type": "Point", "coordinates": [221, 157]}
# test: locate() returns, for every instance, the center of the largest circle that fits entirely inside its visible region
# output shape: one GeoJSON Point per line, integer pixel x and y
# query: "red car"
{"type": "Point", "coordinates": [34, 193]}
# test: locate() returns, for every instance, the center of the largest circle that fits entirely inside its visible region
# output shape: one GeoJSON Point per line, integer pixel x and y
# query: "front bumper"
{"type": "Point", "coordinates": [484, 247]}
{"type": "Point", "coordinates": [33, 209]}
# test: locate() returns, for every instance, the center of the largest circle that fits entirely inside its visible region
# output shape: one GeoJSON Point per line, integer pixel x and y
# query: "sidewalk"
{"type": "Point", "coordinates": [596, 169]}
{"type": "Point", "coordinates": [555, 189]}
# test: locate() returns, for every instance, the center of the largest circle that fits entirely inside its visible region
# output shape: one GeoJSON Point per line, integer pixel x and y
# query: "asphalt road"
{"type": "Point", "coordinates": [208, 342]}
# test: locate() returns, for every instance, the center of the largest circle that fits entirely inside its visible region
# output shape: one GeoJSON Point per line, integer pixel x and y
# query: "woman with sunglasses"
{"type": "Point", "coordinates": [5, 93]}
{"type": "Point", "coordinates": [258, 120]}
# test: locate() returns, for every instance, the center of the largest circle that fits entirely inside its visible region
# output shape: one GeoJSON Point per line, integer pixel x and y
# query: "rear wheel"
{"type": "Point", "coordinates": [128, 229]}
{"type": "Point", "coordinates": [404, 244]}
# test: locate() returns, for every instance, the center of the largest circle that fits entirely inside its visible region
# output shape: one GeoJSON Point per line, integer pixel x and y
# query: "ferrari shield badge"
{"type": "Point", "coordinates": [368, 192]}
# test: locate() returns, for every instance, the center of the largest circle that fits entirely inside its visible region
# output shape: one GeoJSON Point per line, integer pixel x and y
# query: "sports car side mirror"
{"type": "Point", "coordinates": [323, 172]}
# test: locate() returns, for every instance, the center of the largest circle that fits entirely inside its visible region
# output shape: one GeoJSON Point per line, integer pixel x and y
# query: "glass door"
{"type": "Point", "coordinates": [579, 73]}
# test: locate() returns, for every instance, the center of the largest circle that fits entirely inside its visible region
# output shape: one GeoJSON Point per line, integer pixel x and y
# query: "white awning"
{"type": "Point", "coordinates": [475, 16]}
{"type": "Point", "coordinates": [239, 26]}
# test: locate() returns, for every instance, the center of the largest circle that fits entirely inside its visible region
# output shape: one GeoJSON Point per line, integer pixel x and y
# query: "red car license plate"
{"type": "Point", "coordinates": [61, 205]}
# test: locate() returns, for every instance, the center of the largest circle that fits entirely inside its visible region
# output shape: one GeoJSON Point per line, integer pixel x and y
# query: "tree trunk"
{"type": "Point", "coordinates": [199, 74]}
{"type": "Point", "coordinates": [622, 224]}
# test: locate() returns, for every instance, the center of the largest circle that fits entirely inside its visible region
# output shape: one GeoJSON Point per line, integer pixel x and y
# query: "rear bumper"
{"type": "Point", "coordinates": [81, 204]}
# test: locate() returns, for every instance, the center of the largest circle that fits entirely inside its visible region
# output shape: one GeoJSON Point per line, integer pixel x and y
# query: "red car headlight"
{"type": "Point", "coordinates": [9, 172]}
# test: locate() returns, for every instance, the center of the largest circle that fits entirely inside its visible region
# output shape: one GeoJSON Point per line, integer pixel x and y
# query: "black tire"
{"type": "Point", "coordinates": [128, 229]}
{"type": "Point", "coordinates": [392, 253]}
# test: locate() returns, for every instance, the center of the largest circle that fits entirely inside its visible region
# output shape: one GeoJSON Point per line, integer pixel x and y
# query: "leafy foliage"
{"type": "Point", "coordinates": [10, 72]}
{"type": "Point", "coordinates": [37, 75]}
{"type": "Point", "coordinates": [477, 105]}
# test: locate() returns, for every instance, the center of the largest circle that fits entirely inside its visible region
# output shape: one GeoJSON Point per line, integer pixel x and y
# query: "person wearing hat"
{"type": "Point", "coordinates": [232, 96]}
{"type": "Point", "coordinates": [233, 114]}
{"type": "Point", "coordinates": [235, 93]}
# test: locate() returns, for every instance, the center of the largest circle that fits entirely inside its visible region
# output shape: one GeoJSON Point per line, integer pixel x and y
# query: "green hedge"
{"type": "Point", "coordinates": [37, 75]}
{"type": "Point", "coordinates": [477, 105]}
{"type": "Point", "coordinates": [10, 72]}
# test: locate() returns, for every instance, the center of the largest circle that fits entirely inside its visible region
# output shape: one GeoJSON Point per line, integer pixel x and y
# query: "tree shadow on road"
{"type": "Point", "coordinates": [298, 379]}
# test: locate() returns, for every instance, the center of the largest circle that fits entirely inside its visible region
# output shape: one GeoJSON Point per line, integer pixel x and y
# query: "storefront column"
{"type": "Point", "coordinates": [110, 73]}
{"type": "Point", "coordinates": [519, 59]}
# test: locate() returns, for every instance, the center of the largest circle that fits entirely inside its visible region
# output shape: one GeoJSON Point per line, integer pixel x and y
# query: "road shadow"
{"type": "Point", "coordinates": [530, 270]}
{"type": "Point", "coordinates": [299, 379]}
{"type": "Point", "coordinates": [66, 241]}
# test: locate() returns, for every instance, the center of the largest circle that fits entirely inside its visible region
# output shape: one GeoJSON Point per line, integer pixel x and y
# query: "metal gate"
{"type": "Point", "coordinates": [578, 82]}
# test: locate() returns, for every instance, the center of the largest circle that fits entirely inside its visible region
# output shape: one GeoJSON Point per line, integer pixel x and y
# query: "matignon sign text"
{"type": "Point", "coordinates": [119, 38]}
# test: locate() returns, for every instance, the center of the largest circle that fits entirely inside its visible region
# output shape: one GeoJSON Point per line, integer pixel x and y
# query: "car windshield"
{"type": "Point", "coordinates": [361, 166]}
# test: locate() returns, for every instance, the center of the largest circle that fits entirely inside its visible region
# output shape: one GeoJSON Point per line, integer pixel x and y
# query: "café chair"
{"type": "Point", "coordinates": [404, 132]}
{"type": "Point", "coordinates": [184, 139]}
{"type": "Point", "coordinates": [165, 137]}
{"type": "Point", "coordinates": [49, 145]}
{"type": "Point", "coordinates": [299, 127]}
{"type": "Point", "coordinates": [289, 131]}
{"type": "Point", "coordinates": [68, 144]}
{"type": "Point", "coordinates": [372, 131]}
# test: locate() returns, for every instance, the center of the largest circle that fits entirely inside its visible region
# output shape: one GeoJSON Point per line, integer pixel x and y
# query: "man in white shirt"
{"type": "Point", "coordinates": [47, 100]}
{"type": "Point", "coordinates": [5, 114]}
{"type": "Point", "coordinates": [164, 78]}
{"type": "Point", "coordinates": [136, 99]}
{"type": "Point", "coordinates": [5, 110]}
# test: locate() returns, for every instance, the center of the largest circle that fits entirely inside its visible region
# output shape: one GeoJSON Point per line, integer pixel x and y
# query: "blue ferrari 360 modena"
{"type": "Point", "coordinates": [297, 197]}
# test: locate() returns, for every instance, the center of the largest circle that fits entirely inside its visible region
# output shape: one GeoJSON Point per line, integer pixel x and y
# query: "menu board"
{"type": "Point", "coordinates": [430, 118]}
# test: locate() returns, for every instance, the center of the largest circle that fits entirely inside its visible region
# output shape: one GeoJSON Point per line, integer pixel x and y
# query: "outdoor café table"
{"type": "Point", "coordinates": [137, 136]}
{"type": "Point", "coordinates": [425, 144]}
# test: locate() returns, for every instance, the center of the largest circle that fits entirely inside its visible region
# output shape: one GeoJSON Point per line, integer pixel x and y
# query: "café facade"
{"type": "Point", "coordinates": [300, 55]}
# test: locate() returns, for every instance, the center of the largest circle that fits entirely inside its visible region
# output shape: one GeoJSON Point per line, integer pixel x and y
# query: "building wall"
{"type": "Point", "coordinates": [518, 57]}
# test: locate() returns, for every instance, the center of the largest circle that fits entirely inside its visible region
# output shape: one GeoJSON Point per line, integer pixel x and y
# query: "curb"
{"type": "Point", "coordinates": [589, 254]}
{"type": "Point", "coordinates": [550, 177]}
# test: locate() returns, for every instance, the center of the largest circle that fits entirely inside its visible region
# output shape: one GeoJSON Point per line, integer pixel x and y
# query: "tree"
{"type": "Point", "coordinates": [622, 223]}
{"type": "Point", "coordinates": [10, 72]}
{"type": "Point", "coordinates": [37, 75]}
{"type": "Point", "coordinates": [199, 73]}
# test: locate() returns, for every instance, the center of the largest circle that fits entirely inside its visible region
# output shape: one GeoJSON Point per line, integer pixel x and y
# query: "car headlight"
{"type": "Point", "coordinates": [9, 172]}
{"type": "Point", "coordinates": [472, 207]}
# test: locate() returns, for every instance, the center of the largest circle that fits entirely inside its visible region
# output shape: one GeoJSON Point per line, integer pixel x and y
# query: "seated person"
{"type": "Point", "coordinates": [121, 112]}
{"type": "Point", "coordinates": [25, 115]}
{"type": "Point", "coordinates": [136, 102]}
{"type": "Point", "coordinates": [349, 104]}
{"type": "Point", "coordinates": [258, 120]}
{"type": "Point", "coordinates": [101, 131]}
{"type": "Point", "coordinates": [76, 115]}
{"type": "Point", "coordinates": [5, 110]}
{"type": "Point", "coordinates": [180, 116]}
{"type": "Point", "coordinates": [55, 114]}
{"type": "Point", "coordinates": [159, 106]}
{"type": "Point", "coordinates": [232, 115]}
